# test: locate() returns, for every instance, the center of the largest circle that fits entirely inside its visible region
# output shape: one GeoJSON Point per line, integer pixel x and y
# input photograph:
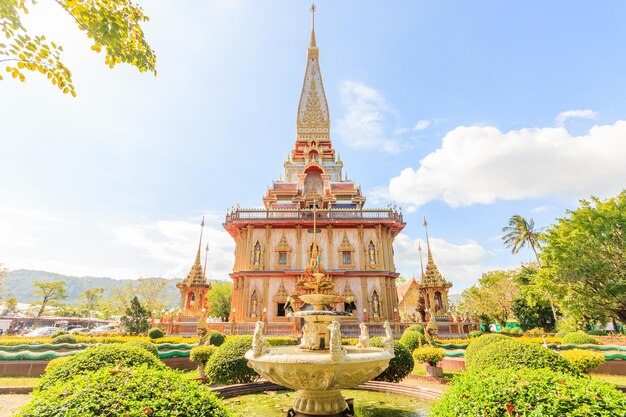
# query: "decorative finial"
{"type": "Point", "coordinates": [206, 255]}
{"type": "Point", "coordinates": [313, 10]}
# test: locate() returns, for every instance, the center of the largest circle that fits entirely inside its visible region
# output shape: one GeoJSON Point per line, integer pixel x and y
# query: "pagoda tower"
{"type": "Point", "coordinates": [194, 289]}
{"type": "Point", "coordinates": [313, 209]}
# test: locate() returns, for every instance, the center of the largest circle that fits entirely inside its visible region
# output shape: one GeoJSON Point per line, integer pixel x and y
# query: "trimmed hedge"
{"type": "Point", "coordinates": [56, 362]}
{"type": "Point", "coordinates": [512, 354]}
{"type": "Point", "coordinates": [98, 357]}
{"type": "Point", "coordinates": [528, 392]}
{"type": "Point", "coordinates": [228, 365]}
{"type": "Point", "coordinates": [149, 346]}
{"type": "Point", "coordinates": [583, 360]}
{"type": "Point", "coordinates": [216, 338]}
{"type": "Point", "coordinates": [281, 341]}
{"type": "Point", "coordinates": [479, 343]}
{"type": "Point", "coordinates": [517, 331]}
{"type": "Point", "coordinates": [410, 340]}
{"type": "Point", "coordinates": [597, 332]}
{"type": "Point", "coordinates": [579, 338]}
{"type": "Point", "coordinates": [474, 334]}
{"type": "Point", "coordinates": [415, 328]}
{"type": "Point", "coordinates": [64, 338]}
{"type": "Point", "coordinates": [155, 333]}
{"type": "Point", "coordinates": [140, 391]}
{"type": "Point", "coordinates": [400, 366]}
{"type": "Point", "coordinates": [59, 333]}
{"type": "Point", "coordinates": [201, 354]}
{"type": "Point", "coordinates": [535, 332]}
{"type": "Point", "coordinates": [428, 354]}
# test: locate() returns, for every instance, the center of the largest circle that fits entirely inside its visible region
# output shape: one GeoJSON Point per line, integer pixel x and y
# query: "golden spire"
{"type": "Point", "coordinates": [206, 255]}
{"type": "Point", "coordinates": [419, 248]}
{"type": "Point", "coordinates": [432, 275]}
{"type": "Point", "coordinates": [196, 274]}
{"type": "Point", "coordinates": [313, 51]}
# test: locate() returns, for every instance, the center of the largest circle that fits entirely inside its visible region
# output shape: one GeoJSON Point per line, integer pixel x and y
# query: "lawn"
{"type": "Point", "coordinates": [614, 379]}
{"type": "Point", "coordinates": [15, 381]}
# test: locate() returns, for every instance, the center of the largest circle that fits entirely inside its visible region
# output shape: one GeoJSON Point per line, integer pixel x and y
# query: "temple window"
{"type": "Point", "coordinates": [346, 258]}
{"type": "Point", "coordinates": [346, 252]}
{"type": "Point", "coordinates": [280, 310]}
{"type": "Point", "coordinates": [282, 258]}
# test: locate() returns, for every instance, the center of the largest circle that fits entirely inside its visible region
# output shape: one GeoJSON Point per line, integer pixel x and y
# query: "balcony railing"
{"type": "Point", "coordinates": [332, 214]}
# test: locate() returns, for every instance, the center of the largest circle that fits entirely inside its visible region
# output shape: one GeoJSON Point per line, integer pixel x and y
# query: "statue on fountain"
{"type": "Point", "coordinates": [388, 339]}
{"type": "Point", "coordinates": [258, 341]}
{"type": "Point", "coordinates": [310, 337]}
{"type": "Point", "coordinates": [336, 351]}
{"type": "Point", "coordinates": [364, 338]}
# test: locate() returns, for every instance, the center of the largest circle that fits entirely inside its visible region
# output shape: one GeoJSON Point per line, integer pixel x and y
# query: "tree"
{"type": "Point", "coordinates": [493, 296]}
{"type": "Point", "coordinates": [90, 299]}
{"type": "Point", "coordinates": [113, 25]}
{"type": "Point", "coordinates": [50, 292]}
{"type": "Point", "coordinates": [10, 306]}
{"type": "Point", "coordinates": [150, 291]}
{"type": "Point", "coordinates": [3, 273]}
{"type": "Point", "coordinates": [136, 318]}
{"type": "Point", "coordinates": [531, 307]}
{"type": "Point", "coordinates": [220, 299]}
{"type": "Point", "coordinates": [521, 232]}
{"type": "Point", "coordinates": [585, 260]}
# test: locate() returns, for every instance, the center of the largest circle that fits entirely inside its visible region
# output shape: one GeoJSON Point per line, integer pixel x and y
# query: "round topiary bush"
{"type": "Point", "coordinates": [513, 354]}
{"type": "Point", "coordinates": [529, 392]}
{"type": "Point", "coordinates": [400, 366]}
{"type": "Point", "coordinates": [474, 334]}
{"type": "Point", "coordinates": [479, 343]}
{"type": "Point", "coordinates": [411, 340]}
{"type": "Point", "coordinates": [141, 391]}
{"type": "Point", "coordinates": [415, 328]}
{"type": "Point", "coordinates": [149, 346]}
{"type": "Point", "coordinates": [562, 333]}
{"type": "Point", "coordinates": [428, 354]}
{"type": "Point", "coordinates": [98, 357]}
{"type": "Point", "coordinates": [505, 330]}
{"type": "Point", "coordinates": [216, 338]}
{"type": "Point", "coordinates": [536, 332]}
{"type": "Point", "coordinates": [59, 333]}
{"type": "Point", "coordinates": [64, 338]}
{"type": "Point", "coordinates": [579, 338]}
{"type": "Point", "coordinates": [583, 360]}
{"type": "Point", "coordinates": [228, 366]}
{"type": "Point", "coordinates": [201, 355]}
{"type": "Point", "coordinates": [155, 333]}
{"type": "Point", "coordinates": [56, 362]}
{"type": "Point", "coordinates": [517, 331]}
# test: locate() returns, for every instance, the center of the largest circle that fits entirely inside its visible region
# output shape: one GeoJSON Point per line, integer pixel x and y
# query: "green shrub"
{"type": "Point", "coordinates": [579, 338]}
{"type": "Point", "coordinates": [597, 332]}
{"type": "Point", "coordinates": [562, 333]}
{"type": "Point", "coordinates": [536, 332]}
{"type": "Point", "coordinates": [505, 330]}
{"type": "Point", "coordinates": [479, 343]}
{"type": "Point", "coordinates": [56, 362]}
{"type": "Point", "coordinates": [513, 354]}
{"type": "Point", "coordinates": [216, 338]}
{"type": "Point", "coordinates": [155, 333]}
{"type": "Point", "coordinates": [474, 334]}
{"type": "Point", "coordinates": [201, 354]}
{"type": "Point", "coordinates": [349, 341]}
{"type": "Point", "coordinates": [415, 328]}
{"type": "Point", "coordinates": [59, 333]}
{"type": "Point", "coordinates": [228, 366]}
{"type": "Point", "coordinates": [517, 331]}
{"type": "Point", "coordinates": [583, 360]}
{"type": "Point", "coordinates": [400, 366]}
{"type": "Point", "coordinates": [428, 354]}
{"type": "Point", "coordinates": [98, 357]}
{"type": "Point", "coordinates": [141, 391]}
{"type": "Point", "coordinates": [411, 340]}
{"type": "Point", "coordinates": [149, 346]}
{"type": "Point", "coordinates": [281, 341]}
{"type": "Point", "coordinates": [64, 338]}
{"type": "Point", "coordinates": [529, 392]}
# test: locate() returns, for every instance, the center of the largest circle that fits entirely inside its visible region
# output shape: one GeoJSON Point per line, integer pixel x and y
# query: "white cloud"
{"type": "Point", "coordinates": [363, 123]}
{"type": "Point", "coordinates": [541, 209]}
{"type": "Point", "coordinates": [482, 164]}
{"type": "Point", "coordinates": [422, 124]}
{"type": "Point", "coordinates": [462, 264]}
{"type": "Point", "coordinates": [562, 117]}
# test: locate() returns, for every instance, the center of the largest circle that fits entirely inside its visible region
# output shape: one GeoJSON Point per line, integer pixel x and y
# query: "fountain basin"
{"type": "Point", "coordinates": [318, 301]}
{"type": "Point", "coordinates": [317, 377]}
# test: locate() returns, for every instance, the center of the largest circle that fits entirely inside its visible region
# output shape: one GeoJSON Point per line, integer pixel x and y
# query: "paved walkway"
{"type": "Point", "coordinates": [10, 403]}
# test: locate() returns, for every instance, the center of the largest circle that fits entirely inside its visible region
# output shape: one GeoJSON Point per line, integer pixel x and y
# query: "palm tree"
{"type": "Point", "coordinates": [521, 232]}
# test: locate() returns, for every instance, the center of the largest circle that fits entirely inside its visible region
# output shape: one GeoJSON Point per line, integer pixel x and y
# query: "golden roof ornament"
{"type": "Point", "coordinates": [346, 246]}
{"type": "Point", "coordinates": [196, 273]}
{"type": "Point", "coordinates": [432, 276]}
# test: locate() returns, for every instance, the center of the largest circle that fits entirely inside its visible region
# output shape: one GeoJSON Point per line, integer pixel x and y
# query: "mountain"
{"type": "Point", "coordinates": [21, 284]}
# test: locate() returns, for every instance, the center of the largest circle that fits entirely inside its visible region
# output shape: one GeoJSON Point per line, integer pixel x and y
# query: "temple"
{"type": "Point", "coordinates": [419, 300]}
{"type": "Point", "coordinates": [314, 217]}
{"type": "Point", "coordinates": [194, 289]}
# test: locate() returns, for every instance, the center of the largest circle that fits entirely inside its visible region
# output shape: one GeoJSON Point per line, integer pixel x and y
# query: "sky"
{"type": "Point", "coordinates": [464, 112]}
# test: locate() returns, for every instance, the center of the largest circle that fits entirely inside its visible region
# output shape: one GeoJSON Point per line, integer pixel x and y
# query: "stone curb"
{"type": "Point", "coordinates": [16, 390]}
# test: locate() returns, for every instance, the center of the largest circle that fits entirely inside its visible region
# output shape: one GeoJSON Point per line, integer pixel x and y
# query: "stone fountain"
{"type": "Point", "coordinates": [320, 367]}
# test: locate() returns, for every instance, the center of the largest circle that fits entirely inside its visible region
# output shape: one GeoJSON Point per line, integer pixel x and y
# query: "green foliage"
{"type": "Point", "coordinates": [411, 340]}
{"type": "Point", "coordinates": [535, 332]}
{"type": "Point", "coordinates": [597, 332]}
{"type": "Point", "coordinates": [216, 338]}
{"type": "Point", "coordinates": [281, 341]}
{"type": "Point", "coordinates": [529, 392]}
{"type": "Point", "coordinates": [98, 357]}
{"type": "Point", "coordinates": [64, 338]}
{"type": "Point", "coordinates": [505, 330]}
{"type": "Point", "coordinates": [514, 354]}
{"type": "Point", "coordinates": [136, 318]}
{"type": "Point", "coordinates": [475, 333]}
{"type": "Point", "coordinates": [220, 299]}
{"type": "Point", "coordinates": [201, 354]}
{"type": "Point", "coordinates": [90, 299]}
{"type": "Point", "coordinates": [415, 328]}
{"type": "Point", "coordinates": [400, 366]}
{"type": "Point", "coordinates": [148, 346]}
{"type": "Point", "coordinates": [562, 333]}
{"type": "Point", "coordinates": [59, 333]}
{"type": "Point", "coordinates": [228, 365]}
{"type": "Point", "coordinates": [532, 311]}
{"type": "Point", "coordinates": [114, 25]}
{"type": "Point", "coordinates": [428, 354]}
{"type": "Point", "coordinates": [56, 362]}
{"type": "Point", "coordinates": [519, 233]}
{"type": "Point", "coordinates": [126, 392]}
{"type": "Point", "coordinates": [585, 260]}
{"type": "Point", "coordinates": [472, 350]}
{"type": "Point", "coordinates": [517, 331]}
{"type": "Point", "coordinates": [583, 360]}
{"type": "Point", "coordinates": [50, 294]}
{"type": "Point", "coordinates": [155, 333]}
{"type": "Point", "coordinates": [579, 338]}
{"type": "Point", "coordinates": [493, 296]}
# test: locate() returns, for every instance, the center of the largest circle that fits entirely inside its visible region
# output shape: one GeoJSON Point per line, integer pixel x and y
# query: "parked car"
{"type": "Point", "coordinates": [42, 332]}
{"type": "Point", "coordinates": [105, 329]}
{"type": "Point", "coordinates": [79, 330]}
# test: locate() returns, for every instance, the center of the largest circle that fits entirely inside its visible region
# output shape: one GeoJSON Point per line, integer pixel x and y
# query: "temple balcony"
{"type": "Point", "coordinates": [322, 215]}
